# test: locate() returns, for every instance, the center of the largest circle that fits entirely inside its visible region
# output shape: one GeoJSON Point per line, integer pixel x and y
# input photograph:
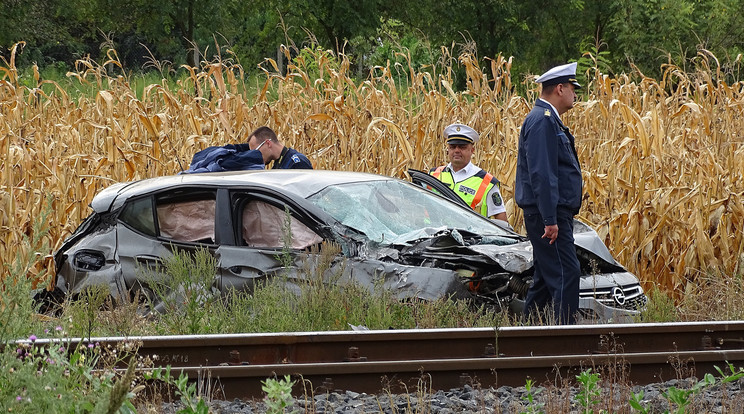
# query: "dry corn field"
{"type": "Point", "coordinates": [663, 171]}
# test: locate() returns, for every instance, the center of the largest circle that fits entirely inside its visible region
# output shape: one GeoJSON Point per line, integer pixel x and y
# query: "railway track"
{"type": "Point", "coordinates": [375, 361]}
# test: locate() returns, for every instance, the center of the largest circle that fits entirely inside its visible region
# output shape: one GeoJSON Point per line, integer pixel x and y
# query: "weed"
{"type": "Point", "coordinates": [124, 317]}
{"type": "Point", "coordinates": [17, 307]}
{"type": "Point", "coordinates": [192, 402]}
{"type": "Point", "coordinates": [614, 373]}
{"type": "Point", "coordinates": [589, 390]}
{"type": "Point", "coordinates": [681, 398]}
{"type": "Point", "coordinates": [714, 296]}
{"type": "Point", "coordinates": [316, 299]}
{"type": "Point", "coordinates": [660, 307]}
{"type": "Point", "coordinates": [636, 402]}
{"type": "Point", "coordinates": [533, 407]}
{"type": "Point", "coordinates": [278, 394]}
{"type": "Point", "coordinates": [734, 374]}
{"type": "Point", "coordinates": [285, 257]}
{"type": "Point", "coordinates": [53, 379]}
{"type": "Point", "coordinates": [83, 312]}
{"type": "Point", "coordinates": [185, 293]}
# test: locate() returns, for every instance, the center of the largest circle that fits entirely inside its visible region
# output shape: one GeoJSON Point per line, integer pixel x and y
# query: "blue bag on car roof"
{"type": "Point", "coordinates": [226, 158]}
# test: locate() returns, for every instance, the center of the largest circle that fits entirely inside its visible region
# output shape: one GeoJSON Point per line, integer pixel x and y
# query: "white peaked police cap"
{"type": "Point", "coordinates": [560, 74]}
{"type": "Point", "coordinates": [460, 134]}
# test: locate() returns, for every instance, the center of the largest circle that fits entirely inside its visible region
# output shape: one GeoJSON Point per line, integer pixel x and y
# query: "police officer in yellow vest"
{"type": "Point", "coordinates": [478, 188]}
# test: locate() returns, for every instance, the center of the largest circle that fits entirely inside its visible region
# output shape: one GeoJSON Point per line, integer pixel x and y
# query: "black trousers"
{"type": "Point", "coordinates": [557, 270]}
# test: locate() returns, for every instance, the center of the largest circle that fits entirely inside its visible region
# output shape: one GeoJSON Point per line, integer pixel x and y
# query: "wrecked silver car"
{"type": "Point", "coordinates": [391, 232]}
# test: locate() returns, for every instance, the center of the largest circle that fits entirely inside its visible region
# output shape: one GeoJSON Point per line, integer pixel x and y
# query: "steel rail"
{"type": "Point", "coordinates": [244, 381]}
{"type": "Point", "coordinates": [410, 344]}
{"type": "Point", "coordinates": [400, 360]}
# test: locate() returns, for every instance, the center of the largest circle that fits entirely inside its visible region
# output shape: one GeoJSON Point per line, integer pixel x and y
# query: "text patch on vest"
{"type": "Point", "coordinates": [467, 190]}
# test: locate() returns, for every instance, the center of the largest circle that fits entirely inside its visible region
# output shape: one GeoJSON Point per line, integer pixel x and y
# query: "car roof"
{"type": "Point", "coordinates": [302, 183]}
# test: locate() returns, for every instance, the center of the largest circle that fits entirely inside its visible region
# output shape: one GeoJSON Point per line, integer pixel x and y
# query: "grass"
{"type": "Point", "coordinates": [84, 380]}
{"type": "Point", "coordinates": [275, 304]}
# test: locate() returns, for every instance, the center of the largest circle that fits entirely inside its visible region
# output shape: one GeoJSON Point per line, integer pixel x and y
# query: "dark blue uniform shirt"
{"type": "Point", "coordinates": [292, 159]}
{"type": "Point", "coordinates": [548, 177]}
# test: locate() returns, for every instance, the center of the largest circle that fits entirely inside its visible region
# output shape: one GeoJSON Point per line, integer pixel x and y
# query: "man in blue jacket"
{"type": "Point", "coordinates": [549, 189]}
{"type": "Point", "coordinates": [265, 140]}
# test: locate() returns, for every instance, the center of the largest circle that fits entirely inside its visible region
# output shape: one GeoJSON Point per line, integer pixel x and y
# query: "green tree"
{"type": "Point", "coordinates": [330, 24]}
{"type": "Point", "coordinates": [648, 31]}
{"type": "Point", "coordinates": [175, 30]}
{"type": "Point", "coordinates": [538, 34]}
{"type": "Point", "coordinates": [54, 30]}
{"type": "Point", "coordinates": [719, 26]}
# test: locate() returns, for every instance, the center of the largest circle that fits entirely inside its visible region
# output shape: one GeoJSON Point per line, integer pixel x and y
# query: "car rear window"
{"type": "Point", "coordinates": [138, 215]}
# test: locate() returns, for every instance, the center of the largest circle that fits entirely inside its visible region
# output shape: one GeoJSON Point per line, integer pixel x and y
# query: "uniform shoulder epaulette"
{"type": "Point", "coordinates": [547, 112]}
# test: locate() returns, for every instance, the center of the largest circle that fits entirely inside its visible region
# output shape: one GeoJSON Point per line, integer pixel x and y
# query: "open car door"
{"type": "Point", "coordinates": [432, 183]}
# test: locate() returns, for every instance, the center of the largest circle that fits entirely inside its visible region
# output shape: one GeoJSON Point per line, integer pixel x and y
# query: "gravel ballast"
{"type": "Point", "coordinates": [719, 398]}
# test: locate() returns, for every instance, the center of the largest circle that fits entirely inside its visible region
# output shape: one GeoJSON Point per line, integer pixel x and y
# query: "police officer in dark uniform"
{"type": "Point", "coordinates": [549, 189]}
{"type": "Point", "coordinates": [264, 139]}
{"type": "Point", "coordinates": [477, 187]}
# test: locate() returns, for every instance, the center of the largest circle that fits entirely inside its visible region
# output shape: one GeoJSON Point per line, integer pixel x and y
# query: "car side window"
{"type": "Point", "coordinates": [187, 217]}
{"type": "Point", "coordinates": [262, 225]}
{"type": "Point", "coordinates": [138, 215]}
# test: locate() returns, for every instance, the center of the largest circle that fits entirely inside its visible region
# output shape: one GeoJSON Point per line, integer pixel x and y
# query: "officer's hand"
{"type": "Point", "coordinates": [551, 232]}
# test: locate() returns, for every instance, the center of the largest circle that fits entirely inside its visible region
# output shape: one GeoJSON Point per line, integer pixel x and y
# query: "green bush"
{"type": "Point", "coordinates": [37, 379]}
{"type": "Point", "coordinates": [184, 293]}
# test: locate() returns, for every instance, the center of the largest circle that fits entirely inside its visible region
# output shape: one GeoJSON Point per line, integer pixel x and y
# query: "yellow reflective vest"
{"type": "Point", "coordinates": [472, 189]}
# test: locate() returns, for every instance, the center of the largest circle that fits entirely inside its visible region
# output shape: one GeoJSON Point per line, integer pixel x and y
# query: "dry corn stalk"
{"type": "Point", "coordinates": [662, 171]}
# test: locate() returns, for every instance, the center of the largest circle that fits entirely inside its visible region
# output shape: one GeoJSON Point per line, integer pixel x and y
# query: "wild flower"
{"type": "Point", "coordinates": [32, 338]}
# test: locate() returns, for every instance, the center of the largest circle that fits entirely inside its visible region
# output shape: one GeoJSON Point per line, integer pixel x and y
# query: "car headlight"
{"type": "Point", "coordinates": [88, 260]}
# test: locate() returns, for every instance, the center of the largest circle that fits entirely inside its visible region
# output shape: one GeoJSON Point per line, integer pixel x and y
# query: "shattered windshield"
{"type": "Point", "coordinates": [391, 211]}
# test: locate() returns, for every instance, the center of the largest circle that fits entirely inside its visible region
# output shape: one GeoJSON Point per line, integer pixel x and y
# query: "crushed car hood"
{"type": "Point", "coordinates": [512, 254]}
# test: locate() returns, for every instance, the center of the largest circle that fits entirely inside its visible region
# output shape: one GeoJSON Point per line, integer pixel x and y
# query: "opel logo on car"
{"type": "Point", "coordinates": [618, 295]}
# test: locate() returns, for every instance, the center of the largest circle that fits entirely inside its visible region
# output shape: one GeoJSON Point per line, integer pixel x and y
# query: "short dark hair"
{"type": "Point", "coordinates": [264, 133]}
{"type": "Point", "coordinates": [548, 89]}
